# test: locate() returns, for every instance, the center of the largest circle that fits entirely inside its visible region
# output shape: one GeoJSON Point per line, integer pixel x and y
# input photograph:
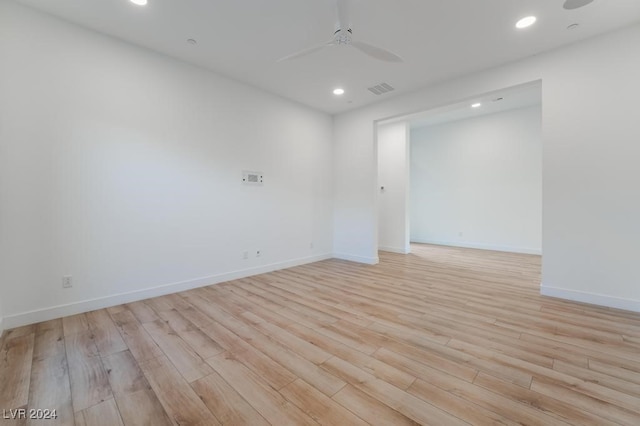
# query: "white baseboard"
{"type": "Point", "coordinates": [359, 259]}
{"type": "Point", "coordinates": [395, 249]}
{"type": "Point", "coordinates": [31, 317]}
{"type": "Point", "coordinates": [481, 246]}
{"type": "Point", "coordinates": [591, 298]}
{"type": "Point", "coordinates": [1, 326]}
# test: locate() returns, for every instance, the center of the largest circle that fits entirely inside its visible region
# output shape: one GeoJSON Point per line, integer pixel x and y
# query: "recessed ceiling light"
{"type": "Point", "coordinates": [192, 41]}
{"type": "Point", "coordinates": [476, 105]}
{"type": "Point", "coordinates": [338, 91]}
{"type": "Point", "coordinates": [139, 2]}
{"type": "Point", "coordinates": [573, 26]}
{"type": "Point", "coordinates": [526, 22]}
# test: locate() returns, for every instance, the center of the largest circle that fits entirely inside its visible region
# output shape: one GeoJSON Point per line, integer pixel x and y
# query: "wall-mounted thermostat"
{"type": "Point", "coordinates": [251, 178]}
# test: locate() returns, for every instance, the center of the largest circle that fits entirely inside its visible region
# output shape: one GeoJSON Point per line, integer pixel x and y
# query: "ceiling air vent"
{"type": "Point", "coordinates": [381, 89]}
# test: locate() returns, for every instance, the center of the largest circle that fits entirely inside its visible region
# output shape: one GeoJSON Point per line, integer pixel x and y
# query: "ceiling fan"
{"type": "Point", "coordinates": [343, 37]}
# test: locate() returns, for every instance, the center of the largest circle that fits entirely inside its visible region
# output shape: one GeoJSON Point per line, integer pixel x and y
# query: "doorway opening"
{"type": "Point", "coordinates": [467, 174]}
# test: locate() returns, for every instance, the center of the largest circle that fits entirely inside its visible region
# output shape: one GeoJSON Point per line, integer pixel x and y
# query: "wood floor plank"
{"type": "Point", "coordinates": [116, 309]}
{"type": "Point", "coordinates": [176, 301]}
{"type": "Point", "coordinates": [190, 312]}
{"type": "Point", "coordinates": [550, 406]}
{"type": "Point", "coordinates": [202, 344]}
{"type": "Point", "coordinates": [407, 404]}
{"type": "Point", "coordinates": [623, 351]}
{"type": "Point", "coordinates": [307, 350]}
{"type": "Point", "coordinates": [576, 382]}
{"type": "Point", "coordinates": [614, 371]}
{"type": "Point", "coordinates": [75, 324]}
{"type": "Point", "coordinates": [303, 368]}
{"type": "Point", "coordinates": [106, 335]}
{"type": "Point", "coordinates": [142, 346]}
{"type": "Point", "coordinates": [89, 379]}
{"type": "Point", "coordinates": [434, 360]}
{"type": "Point", "coordinates": [318, 406]}
{"type": "Point", "coordinates": [460, 357]}
{"type": "Point", "coordinates": [508, 348]}
{"type": "Point", "coordinates": [137, 403]}
{"type": "Point", "coordinates": [179, 400]}
{"type": "Point", "coordinates": [142, 311]}
{"type": "Point", "coordinates": [265, 400]}
{"type": "Point", "coordinates": [328, 304]}
{"type": "Point", "coordinates": [284, 289]}
{"type": "Point", "coordinates": [605, 380]}
{"type": "Point", "coordinates": [161, 303]}
{"type": "Point", "coordinates": [226, 403]}
{"type": "Point", "coordinates": [350, 336]}
{"type": "Point", "coordinates": [142, 408]}
{"type": "Point", "coordinates": [610, 357]}
{"type": "Point", "coordinates": [249, 291]}
{"type": "Point", "coordinates": [367, 363]}
{"type": "Point", "coordinates": [16, 357]}
{"type": "Point", "coordinates": [50, 390]}
{"type": "Point", "coordinates": [104, 414]}
{"type": "Point", "coordinates": [269, 370]}
{"type": "Point", "coordinates": [79, 418]}
{"type": "Point", "coordinates": [49, 341]}
{"type": "Point", "coordinates": [456, 406]}
{"type": "Point", "coordinates": [370, 409]}
{"type": "Point", "coordinates": [25, 330]}
{"type": "Point", "coordinates": [124, 373]}
{"type": "Point", "coordinates": [491, 401]}
{"type": "Point", "coordinates": [584, 402]}
{"type": "Point", "coordinates": [503, 366]}
{"type": "Point", "coordinates": [187, 361]}
{"type": "Point", "coordinates": [307, 311]}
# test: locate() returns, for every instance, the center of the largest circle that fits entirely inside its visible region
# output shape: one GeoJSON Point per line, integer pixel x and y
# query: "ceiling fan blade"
{"type": "Point", "coordinates": [575, 4]}
{"type": "Point", "coordinates": [376, 52]}
{"type": "Point", "coordinates": [307, 51]}
{"type": "Point", "coordinates": [343, 15]}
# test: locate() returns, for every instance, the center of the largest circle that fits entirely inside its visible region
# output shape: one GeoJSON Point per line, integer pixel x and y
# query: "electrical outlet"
{"type": "Point", "coordinates": [460, 234]}
{"type": "Point", "coordinates": [258, 254]}
{"type": "Point", "coordinates": [245, 255]}
{"type": "Point", "coordinates": [311, 245]}
{"type": "Point", "coordinates": [67, 281]}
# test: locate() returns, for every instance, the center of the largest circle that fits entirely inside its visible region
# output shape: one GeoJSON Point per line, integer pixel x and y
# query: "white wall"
{"type": "Point", "coordinates": [591, 234]}
{"type": "Point", "coordinates": [123, 167]}
{"type": "Point", "coordinates": [478, 182]}
{"type": "Point", "coordinates": [393, 175]}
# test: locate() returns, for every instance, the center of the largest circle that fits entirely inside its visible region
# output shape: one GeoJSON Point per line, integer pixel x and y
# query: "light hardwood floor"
{"type": "Point", "coordinates": [442, 336]}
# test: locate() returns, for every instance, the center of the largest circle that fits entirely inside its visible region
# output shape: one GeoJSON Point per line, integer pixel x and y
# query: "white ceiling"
{"type": "Point", "coordinates": [438, 39]}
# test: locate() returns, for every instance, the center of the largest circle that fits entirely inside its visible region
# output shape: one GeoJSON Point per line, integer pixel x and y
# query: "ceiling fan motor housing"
{"type": "Point", "coordinates": [342, 37]}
